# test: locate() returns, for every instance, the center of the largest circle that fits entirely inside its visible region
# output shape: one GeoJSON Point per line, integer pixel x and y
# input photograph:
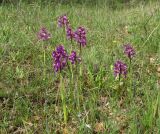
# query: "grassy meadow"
{"type": "Point", "coordinates": [87, 98]}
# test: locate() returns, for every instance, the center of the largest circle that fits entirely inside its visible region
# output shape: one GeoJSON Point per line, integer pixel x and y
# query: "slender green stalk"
{"type": "Point", "coordinates": [79, 90]}
{"type": "Point", "coordinates": [44, 62]}
{"type": "Point", "coordinates": [80, 50]}
{"type": "Point", "coordinates": [45, 104]}
{"type": "Point", "coordinates": [71, 45]}
{"type": "Point", "coordinates": [72, 84]}
{"type": "Point", "coordinates": [132, 79]}
{"type": "Point", "coordinates": [77, 94]}
{"type": "Point", "coordinates": [63, 98]}
{"type": "Point", "coordinates": [44, 57]}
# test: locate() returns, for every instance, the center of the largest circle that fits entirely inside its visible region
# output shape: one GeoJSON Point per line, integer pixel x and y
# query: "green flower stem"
{"type": "Point", "coordinates": [63, 98]}
{"type": "Point", "coordinates": [44, 61]}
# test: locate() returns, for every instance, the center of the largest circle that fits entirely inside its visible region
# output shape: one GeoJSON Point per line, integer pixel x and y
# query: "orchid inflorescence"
{"type": "Point", "coordinates": [80, 36]}
{"type": "Point", "coordinates": [129, 51]}
{"type": "Point", "coordinates": [120, 69]}
{"type": "Point", "coordinates": [74, 58]}
{"type": "Point", "coordinates": [61, 58]}
{"type": "Point", "coordinates": [70, 34]}
{"type": "Point", "coordinates": [43, 34]}
{"type": "Point", "coordinates": [63, 21]}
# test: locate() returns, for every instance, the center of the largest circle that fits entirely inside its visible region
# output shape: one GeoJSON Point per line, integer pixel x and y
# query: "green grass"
{"type": "Point", "coordinates": [91, 101]}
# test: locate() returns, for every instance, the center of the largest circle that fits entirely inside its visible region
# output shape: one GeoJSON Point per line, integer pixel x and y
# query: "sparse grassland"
{"type": "Point", "coordinates": [88, 99]}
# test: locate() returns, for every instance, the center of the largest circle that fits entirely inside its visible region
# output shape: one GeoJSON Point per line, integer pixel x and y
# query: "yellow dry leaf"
{"type": "Point", "coordinates": [36, 118]}
{"type": "Point", "coordinates": [158, 69]}
{"type": "Point", "coordinates": [99, 127]}
{"type": "Point", "coordinates": [65, 131]}
{"type": "Point", "coordinates": [158, 82]}
{"type": "Point", "coordinates": [126, 29]}
{"type": "Point", "coordinates": [152, 60]}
